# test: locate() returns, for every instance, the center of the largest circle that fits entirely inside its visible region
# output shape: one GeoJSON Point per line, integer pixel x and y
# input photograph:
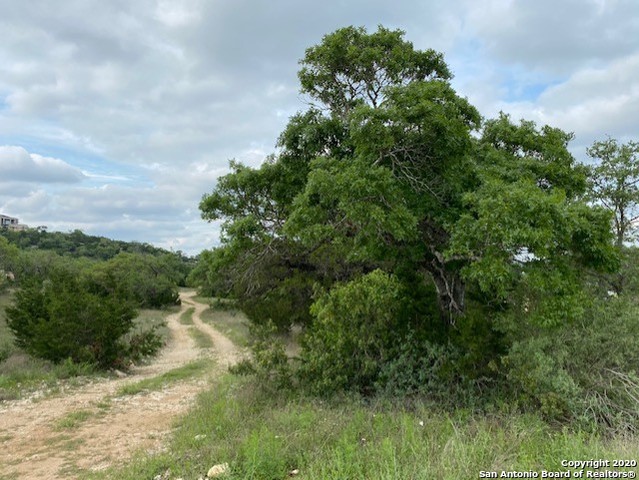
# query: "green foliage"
{"type": "Point", "coordinates": [5, 352]}
{"type": "Point", "coordinates": [269, 362]}
{"type": "Point", "coordinates": [523, 227]}
{"type": "Point", "coordinates": [77, 244]}
{"type": "Point", "coordinates": [401, 229]}
{"type": "Point", "coordinates": [32, 250]}
{"type": "Point", "coordinates": [21, 374]}
{"type": "Point", "coordinates": [146, 280]}
{"type": "Point", "coordinates": [266, 437]}
{"type": "Point", "coordinates": [614, 184]}
{"type": "Point", "coordinates": [357, 208]}
{"type": "Point", "coordinates": [58, 317]}
{"type": "Point", "coordinates": [351, 66]}
{"type": "Point", "coordinates": [9, 261]}
{"type": "Point", "coordinates": [207, 275]}
{"type": "Point", "coordinates": [584, 371]}
{"type": "Point", "coordinates": [628, 273]}
{"type": "Point", "coordinates": [354, 334]}
{"type": "Point", "coordinates": [140, 345]}
{"type": "Point", "coordinates": [417, 369]}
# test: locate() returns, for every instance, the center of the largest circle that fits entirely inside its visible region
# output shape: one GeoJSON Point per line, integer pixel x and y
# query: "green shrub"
{"type": "Point", "coordinates": [5, 352]}
{"type": "Point", "coordinates": [57, 317]}
{"type": "Point", "coordinates": [355, 333]}
{"type": "Point", "coordinates": [585, 371]}
{"type": "Point", "coordinates": [419, 368]}
{"type": "Point", "coordinates": [269, 362]}
{"type": "Point", "coordinates": [282, 303]}
{"type": "Point", "coordinates": [143, 344]}
{"type": "Point", "coordinates": [143, 279]}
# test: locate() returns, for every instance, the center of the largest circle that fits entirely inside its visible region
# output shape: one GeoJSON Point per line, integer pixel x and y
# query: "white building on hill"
{"type": "Point", "coordinates": [5, 221]}
{"type": "Point", "coordinates": [11, 223]}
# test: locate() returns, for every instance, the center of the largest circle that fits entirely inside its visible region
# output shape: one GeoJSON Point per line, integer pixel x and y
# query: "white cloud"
{"type": "Point", "coordinates": [140, 105]}
{"type": "Point", "coordinates": [555, 37]}
{"type": "Point", "coordinates": [18, 165]}
{"type": "Point", "coordinates": [592, 103]}
{"type": "Point", "coordinates": [177, 14]}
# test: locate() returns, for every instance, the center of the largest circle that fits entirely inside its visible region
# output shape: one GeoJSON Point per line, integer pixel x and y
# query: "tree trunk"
{"type": "Point", "coordinates": [451, 290]}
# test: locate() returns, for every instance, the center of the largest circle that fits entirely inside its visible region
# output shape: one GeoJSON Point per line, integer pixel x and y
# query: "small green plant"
{"type": "Point", "coordinates": [143, 344]}
{"type": "Point", "coordinates": [58, 317]}
{"type": "Point", "coordinates": [269, 360]}
{"type": "Point", "coordinates": [73, 420]}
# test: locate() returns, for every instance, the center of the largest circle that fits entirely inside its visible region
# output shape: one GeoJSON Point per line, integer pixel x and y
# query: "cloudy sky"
{"type": "Point", "coordinates": [117, 116]}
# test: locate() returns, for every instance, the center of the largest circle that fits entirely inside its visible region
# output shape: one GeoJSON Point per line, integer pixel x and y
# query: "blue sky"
{"type": "Point", "coordinates": [116, 117]}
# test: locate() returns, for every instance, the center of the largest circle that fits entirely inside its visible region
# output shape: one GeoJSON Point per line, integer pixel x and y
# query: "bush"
{"type": "Point", "coordinates": [283, 304]}
{"type": "Point", "coordinates": [57, 317]}
{"type": "Point", "coordinates": [146, 280]}
{"type": "Point", "coordinates": [585, 372]}
{"type": "Point", "coordinates": [143, 344]}
{"type": "Point", "coordinates": [5, 352]}
{"type": "Point", "coordinates": [417, 369]}
{"type": "Point", "coordinates": [269, 362]}
{"type": "Point", "coordinates": [355, 333]}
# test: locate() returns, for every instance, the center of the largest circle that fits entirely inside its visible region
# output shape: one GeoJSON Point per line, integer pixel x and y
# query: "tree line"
{"type": "Point", "coordinates": [76, 296]}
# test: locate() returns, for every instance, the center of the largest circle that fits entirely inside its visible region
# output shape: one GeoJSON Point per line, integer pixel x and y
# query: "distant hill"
{"type": "Point", "coordinates": [79, 244]}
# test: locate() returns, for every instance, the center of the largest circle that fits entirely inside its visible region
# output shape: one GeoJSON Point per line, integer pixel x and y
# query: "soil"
{"type": "Point", "coordinates": [33, 446]}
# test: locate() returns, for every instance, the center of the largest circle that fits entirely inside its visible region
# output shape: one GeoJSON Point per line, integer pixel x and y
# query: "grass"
{"type": "Point", "coordinates": [202, 340]}
{"type": "Point", "coordinates": [189, 370]}
{"type": "Point", "coordinates": [231, 323]}
{"type": "Point", "coordinates": [203, 300]}
{"type": "Point", "coordinates": [266, 436]}
{"type": "Point", "coordinates": [103, 405]}
{"type": "Point", "coordinates": [147, 319]}
{"type": "Point", "coordinates": [186, 318]}
{"type": "Point", "coordinates": [73, 420]}
{"type": "Point", "coordinates": [21, 374]}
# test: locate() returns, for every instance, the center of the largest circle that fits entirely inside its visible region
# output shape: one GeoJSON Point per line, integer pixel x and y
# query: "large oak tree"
{"type": "Point", "coordinates": [391, 169]}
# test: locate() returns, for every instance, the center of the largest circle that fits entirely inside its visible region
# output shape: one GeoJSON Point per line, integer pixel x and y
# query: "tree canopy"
{"type": "Point", "coordinates": [615, 184]}
{"type": "Point", "coordinates": [391, 173]}
{"type": "Point", "coordinates": [392, 166]}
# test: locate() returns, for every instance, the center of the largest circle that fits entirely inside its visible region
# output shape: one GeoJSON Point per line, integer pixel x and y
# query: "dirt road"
{"type": "Point", "coordinates": [91, 427]}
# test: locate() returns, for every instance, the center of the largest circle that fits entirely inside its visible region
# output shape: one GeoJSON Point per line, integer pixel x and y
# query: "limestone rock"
{"type": "Point", "coordinates": [217, 470]}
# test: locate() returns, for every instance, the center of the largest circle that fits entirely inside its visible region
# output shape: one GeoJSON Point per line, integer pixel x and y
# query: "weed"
{"type": "Point", "coordinates": [156, 383]}
{"type": "Point", "coordinates": [103, 405]}
{"type": "Point", "coordinates": [73, 420]}
{"type": "Point", "coordinates": [264, 437]}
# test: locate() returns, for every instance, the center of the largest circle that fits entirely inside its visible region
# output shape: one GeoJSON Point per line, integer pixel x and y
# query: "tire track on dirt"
{"type": "Point", "coordinates": [32, 448]}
